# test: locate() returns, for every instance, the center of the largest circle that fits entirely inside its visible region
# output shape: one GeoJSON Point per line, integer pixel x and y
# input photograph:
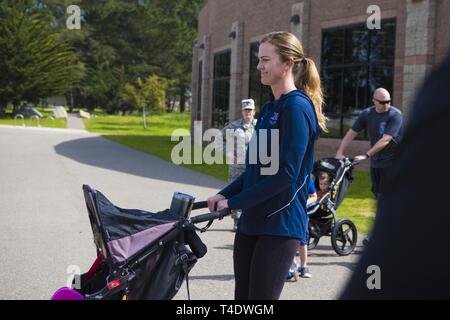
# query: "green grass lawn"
{"type": "Point", "coordinates": [358, 205]}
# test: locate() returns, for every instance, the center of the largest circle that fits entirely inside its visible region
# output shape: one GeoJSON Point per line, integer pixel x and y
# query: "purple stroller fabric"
{"type": "Point", "coordinates": [125, 247]}
{"type": "Point", "coordinates": [67, 294]}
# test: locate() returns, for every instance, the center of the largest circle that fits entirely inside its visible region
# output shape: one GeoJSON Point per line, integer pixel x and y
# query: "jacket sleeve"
{"type": "Point", "coordinates": [294, 137]}
{"type": "Point", "coordinates": [233, 188]}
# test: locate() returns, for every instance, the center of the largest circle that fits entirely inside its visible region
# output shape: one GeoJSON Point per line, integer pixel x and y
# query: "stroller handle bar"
{"type": "Point", "coordinates": [354, 162]}
{"type": "Point", "coordinates": [208, 216]}
{"type": "Point", "coordinates": [200, 205]}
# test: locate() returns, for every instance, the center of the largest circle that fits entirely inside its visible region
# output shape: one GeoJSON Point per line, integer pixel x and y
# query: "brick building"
{"type": "Point", "coordinates": [341, 36]}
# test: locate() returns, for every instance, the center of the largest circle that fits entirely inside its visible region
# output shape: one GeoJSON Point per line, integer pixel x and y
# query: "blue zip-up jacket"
{"type": "Point", "coordinates": [276, 204]}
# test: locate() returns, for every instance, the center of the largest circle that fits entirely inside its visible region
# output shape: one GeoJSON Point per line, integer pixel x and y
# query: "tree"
{"type": "Point", "coordinates": [119, 39]}
{"type": "Point", "coordinates": [178, 25]}
{"type": "Point", "coordinates": [147, 95]}
{"type": "Point", "coordinates": [149, 37]}
{"type": "Point", "coordinates": [35, 62]}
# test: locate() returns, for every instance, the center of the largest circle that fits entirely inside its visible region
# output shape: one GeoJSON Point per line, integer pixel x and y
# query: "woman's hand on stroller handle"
{"type": "Point", "coordinates": [212, 201]}
{"type": "Point", "coordinates": [210, 216]}
{"type": "Point", "coordinates": [222, 204]}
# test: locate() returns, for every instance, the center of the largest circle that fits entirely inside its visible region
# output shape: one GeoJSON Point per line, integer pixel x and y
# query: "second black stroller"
{"type": "Point", "coordinates": [322, 215]}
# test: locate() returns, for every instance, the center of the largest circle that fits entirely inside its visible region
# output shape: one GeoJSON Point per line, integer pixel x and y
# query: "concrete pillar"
{"type": "Point", "coordinates": [301, 29]}
{"type": "Point", "coordinates": [206, 102]}
{"type": "Point", "coordinates": [237, 50]}
{"type": "Point", "coordinates": [419, 46]}
{"type": "Point", "coordinates": [194, 86]}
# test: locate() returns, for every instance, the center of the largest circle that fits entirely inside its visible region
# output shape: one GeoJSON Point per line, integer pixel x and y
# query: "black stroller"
{"type": "Point", "coordinates": [140, 254]}
{"type": "Point", "coordinates": [322, 215]}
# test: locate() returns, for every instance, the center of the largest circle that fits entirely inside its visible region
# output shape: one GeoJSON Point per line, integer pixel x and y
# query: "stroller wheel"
{"type": "Point", "coordinates": [314, 234]}
{"type": "Point", "coordinates": [344, 237]}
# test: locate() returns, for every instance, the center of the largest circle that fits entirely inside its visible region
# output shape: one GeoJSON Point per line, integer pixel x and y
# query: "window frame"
{"type": "Point", "coordinates": [368, 64]}
{"type": "Point", "coordinates": [218, 114]}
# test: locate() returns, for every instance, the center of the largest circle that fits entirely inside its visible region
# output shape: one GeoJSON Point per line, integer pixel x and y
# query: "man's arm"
{"type": "Point", "coordinates": [392, 130]}
{"type": "Point", "coordinates": [380, 145]}
{"type": "Point", "coordinates": [349, 137]}
{"type": "Point", "coordinates": [377, 147]}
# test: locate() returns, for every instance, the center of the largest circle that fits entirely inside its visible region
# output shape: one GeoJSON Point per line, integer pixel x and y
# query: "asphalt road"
{"type": "Point", "coordinates": [44, 227]}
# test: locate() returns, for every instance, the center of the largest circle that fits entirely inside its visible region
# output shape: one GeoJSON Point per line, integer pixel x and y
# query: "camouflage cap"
{"type": "Point", "coordinates": [248, 104]}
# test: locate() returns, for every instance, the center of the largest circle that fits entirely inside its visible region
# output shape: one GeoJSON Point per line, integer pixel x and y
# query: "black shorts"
{"type": "Point", "coordinates": [378, 176]}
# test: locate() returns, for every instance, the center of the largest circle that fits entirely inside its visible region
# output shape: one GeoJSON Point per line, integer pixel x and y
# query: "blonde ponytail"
{"type": "Point", "coordinates": [307, 78]}
{"type": "Point", "coordinates": [305, 73]}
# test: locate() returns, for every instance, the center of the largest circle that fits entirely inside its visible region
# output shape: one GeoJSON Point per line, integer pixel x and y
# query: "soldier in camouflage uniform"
{"type": "Point", "coordinates": [243, 130]}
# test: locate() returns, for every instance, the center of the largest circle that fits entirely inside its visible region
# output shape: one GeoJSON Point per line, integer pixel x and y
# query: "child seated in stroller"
{"type": "Point", "coordinates": [324, 184]}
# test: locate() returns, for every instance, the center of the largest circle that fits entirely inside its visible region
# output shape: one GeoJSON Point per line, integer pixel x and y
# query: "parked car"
{"type": "Point", "coordinates": [28, 111]}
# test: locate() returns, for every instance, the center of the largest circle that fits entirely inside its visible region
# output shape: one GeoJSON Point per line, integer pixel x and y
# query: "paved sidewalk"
{"type": "Point", "coordinates": [74, 121]}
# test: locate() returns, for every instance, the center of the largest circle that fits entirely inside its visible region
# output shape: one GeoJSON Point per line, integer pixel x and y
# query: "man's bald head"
{"type": "Point", "coordinates": [381, 100]}
{"type": "Point", "coordinates": [382, 94]}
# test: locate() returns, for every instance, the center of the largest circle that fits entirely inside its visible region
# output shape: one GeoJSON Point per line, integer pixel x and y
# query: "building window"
{"type": "Point", "coordinates": [355, 61]}
{"type": "Point", "coordinates": [256, 90]}
{"type": "Point", "coordinates": [221, 88]}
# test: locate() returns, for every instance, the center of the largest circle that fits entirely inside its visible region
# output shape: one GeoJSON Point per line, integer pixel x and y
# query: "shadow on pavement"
{"type": "Point", "coordinates": [226, 247]}
{"type": "Point", "coordinates": [103, 153]}
{"type": "Point", "coordinates": [220, 230]}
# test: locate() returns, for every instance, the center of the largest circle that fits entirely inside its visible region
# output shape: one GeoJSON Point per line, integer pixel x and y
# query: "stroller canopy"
{"type": "Point", "coordinates": [121, 233]}
{"type": "Point", "coordinates": [332, 166]}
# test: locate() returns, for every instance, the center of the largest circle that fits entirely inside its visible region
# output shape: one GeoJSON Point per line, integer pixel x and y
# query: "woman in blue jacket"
{"type": "Point", "coordinates": [274, 218]}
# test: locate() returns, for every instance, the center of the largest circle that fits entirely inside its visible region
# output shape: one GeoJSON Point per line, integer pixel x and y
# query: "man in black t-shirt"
{"type": "Point", "coordinates": [384, 124]}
